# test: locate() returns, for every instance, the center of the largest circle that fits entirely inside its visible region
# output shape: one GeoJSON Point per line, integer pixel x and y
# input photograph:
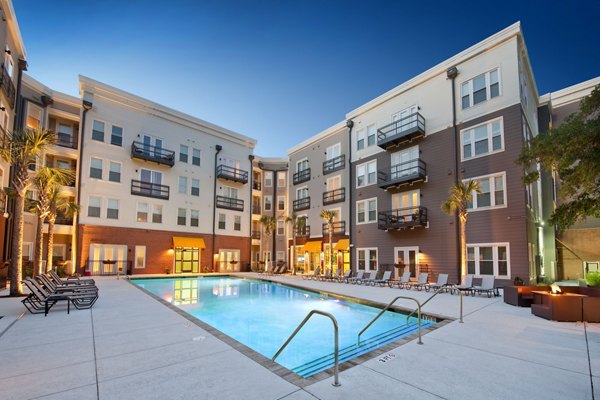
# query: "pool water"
{"type": "Point", "coordinates": [262, 315]}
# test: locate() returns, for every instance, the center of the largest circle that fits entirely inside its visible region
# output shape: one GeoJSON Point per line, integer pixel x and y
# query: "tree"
{"type": "Point", "coordinates": [58, 203]}
{"type": "Point", "coordinates": [297, 224]}
{"type": "Point", "coordinates": [328, 216]}
{"type": "Point", "coordinates": [572, 150]}
{"type": "Point", "coordinates": [46, 180]}
{"type": "Point", "coordinates": [460, 195]}
{"type": "Point", "coordinates": [22, 148]}
{"type": "Point", "coordinates": [269, 223]}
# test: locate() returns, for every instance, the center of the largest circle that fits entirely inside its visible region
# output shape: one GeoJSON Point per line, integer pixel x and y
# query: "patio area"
{"type": "Point", "coordinates": [132, 346]}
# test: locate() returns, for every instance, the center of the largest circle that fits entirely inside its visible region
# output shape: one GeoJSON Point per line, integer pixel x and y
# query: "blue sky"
{"type": "Point", "coordinates": [282, 71]}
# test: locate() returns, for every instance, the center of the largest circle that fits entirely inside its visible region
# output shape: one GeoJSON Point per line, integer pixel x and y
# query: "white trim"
{"type": "Point", "coordinates": [492, 192]}
{"type": "Point", "coordinates": [367, 250]}
{"type": "Point", "coordinates": [265, 178]}
{"type": "Point", "coordinates": [366, 201]}
{"type": "Point", "coordinates": [488, 85]}
{"type": "Point", "coordinates": [106, 124]}
{"type": "Point", "coordinates": [265, 202]}
{"type": "Point", "coordinates": [495, 259]}
{"type": "Point", "coordinates": [488, 123]}
{"type": "Point", "coordinates": [135, 255]}
{"type": "Point", "coordinates": [366, 165]}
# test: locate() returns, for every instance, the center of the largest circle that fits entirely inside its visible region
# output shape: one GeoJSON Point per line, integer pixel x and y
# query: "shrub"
{"type": "Point", "coordinates": [593, 279]}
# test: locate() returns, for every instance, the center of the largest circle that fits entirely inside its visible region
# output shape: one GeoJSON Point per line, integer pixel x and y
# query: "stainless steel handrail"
{"type": "Point", "coordinates": [336, 380]}
{"type": "Point", "coordinates": [427, 301]}
{"type": "Point", "coordinates": [386, 308]}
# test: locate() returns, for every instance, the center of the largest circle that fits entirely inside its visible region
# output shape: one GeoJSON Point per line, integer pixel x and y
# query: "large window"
{"type": "Point", "coordinates": [366, 211]}
{"type": "Point", "coordinates": [367, 259]}
{"type": "Point", "coordinates": [112, 209]}
{"type": "Point", "coordinates": [366, 174]}
{"type": "Point", "coordinates": [114, 172]}
{"type": "Point", "coordinates": [94, 205]}
{"type": "Point", "coordinates": [98, 131]}
{"type": "Point", "coordinates": [96, 168]}
{"type": "Point", "coordinates": [479, 89]}
{"type": "Point", "coordinates": [488, 259]}
{"type": "Point", "coordinates": [482, 139]}
{"type": "Point", "coordinates": [492, 193]}
{"type": "Point", "coordinates": [181, 216]}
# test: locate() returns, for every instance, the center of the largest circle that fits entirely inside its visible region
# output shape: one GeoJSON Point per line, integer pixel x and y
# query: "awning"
{"type": "Point", "coordinates": [313, 247]}
{"type": "Point", "coordinates": [342, 245]}
{"type": "Point", "coordinates": [196, 243]}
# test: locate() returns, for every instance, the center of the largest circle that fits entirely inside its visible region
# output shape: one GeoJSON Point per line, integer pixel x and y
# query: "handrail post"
{"type": "Point", "coordinates": [386, 308]}
{"type": "Point", "coordinates": [419, 322]}
{"type": "Point", "coordinates": [461, 306]}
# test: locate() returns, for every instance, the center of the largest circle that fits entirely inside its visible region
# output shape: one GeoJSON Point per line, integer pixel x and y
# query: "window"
{"type": "Point", "coordinates": [280, 179]}
{"type": "Point", "coordinates": [98, 131]}
{"type": "Point", "coordinates": [281, 256]}
{"type": "Point", "coordinates": [268, 178]}
{"type": "Point", "coordinates": [181, 216]}
{"type": "Point", "coordinates": [10, 66]}
{"type": "Point", "coordinates": [157, 211]}
{"type": "Point", "coordinates": [112, 209]}
{"type": "Point", "coordinates": [142, 212]}
{"type": "Point", "coordinates": [360, 139]}
{"type": "Point", "coordinates": [333, 183]}
{"type": "Point", "coordinates": [237, 223]}
{"type": "Point", "coordinates": [140, 256]}
{"type": "Point", "coordinates": [479, 89]}
{"type": "Point", "coordinates": [371, 131]}
{"type": "Point", "coordinates": [302, 165]}
{"type": "Point", "coordinates": [230, 192]}
{"type": "Point", "coordinates": [483, 139]}
{"type": "Point", "coordinates": [280, 228]}
{"type": "Point", "coordinates": [34, 116]}
{"type": "Point", "coordinates": [96, 168]}
{"type": "Point", "coordinates": [366, 211]}
{"type": "Point", "coordinates": [64, 133]}
{"type": "Point", "coordinates": [182, 184]}
{"type": "Point", "coordinates": [195, 187]}
{"type": "Point", "coordinates": [302, 193]}
{"type": "Point", "coordinates": [116, 137]}
{"type": "Point", "coordinates": [114, 173]}
{"type": "Point", "coordinates": [281, 203]}
{"type": "Point", "coordinates": [366, 174]}
{"type": "Point", "coordinates": [94, 205]}
{"type": "Point", "coordinates": [367, 259]}
{"type": "Point", "coordinates": [488, 259]}
{"type": "Point", "coordinates": [194, 217]}
{"type": "Point", "coordinates": [268, 205]}
{"type": "Point", "coordinates": [183, 153]}
{"type": "Point", "coordinates": [492, 193]}
{"type": "Point", "coordinates": [195, 157]}
{"type": "Point", "coordinates": [222, 223]}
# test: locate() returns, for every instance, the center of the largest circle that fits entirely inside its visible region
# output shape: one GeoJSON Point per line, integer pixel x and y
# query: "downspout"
{"type": "Point", "coordinates": [274, 205]}
{"type": "Point", "coordinates": [452, 73]}
{"type": "Point", "coordinates": [250, 202]}
{"type": "Point", "coordinates": [87, 106]}
{"type": "Point", "coordinates": [350, 125]}
{"type": "Point", "coordinates": [18, 120]}
{"type": "Point", "coordinates": [218, 149]}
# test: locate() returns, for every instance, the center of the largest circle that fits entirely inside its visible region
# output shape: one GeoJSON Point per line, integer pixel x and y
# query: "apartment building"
{"type": "Point", "coordinates": [320, 180]}
{"type": "Point", "coordinates": [161, 191]}
{"type": "Point", "coordinates": [269, 198]}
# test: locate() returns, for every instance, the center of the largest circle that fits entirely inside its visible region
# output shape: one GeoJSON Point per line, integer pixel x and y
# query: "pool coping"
{"type": "Point", "coordinates": [278, 369]}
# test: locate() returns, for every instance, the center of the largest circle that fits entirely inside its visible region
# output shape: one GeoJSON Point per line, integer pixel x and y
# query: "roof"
{"type": "Point", "coordinates": [13, 25]}
{"type": "Point", "coordinates": [319, 136]}
{"type": "Point", "coordinates": [56, 95]}
{"type": "Point", "coordinates": [572, 93]}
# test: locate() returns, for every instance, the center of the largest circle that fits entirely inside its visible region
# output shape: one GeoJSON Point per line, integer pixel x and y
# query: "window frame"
{"type": "Point", "coordinates": [366, 174]}
{"type": "Point", "coordinates": [279, 202]}
{"type": "Point", "coordinates": [103, 131]}
{"type": "Point", "coordinates": [222, 220]}
{"type": "Point", "coordinates": [139, 247]}
{"type": "Point", "coordinates": [110, 163]}
{"type": "Point", "coordinates": [192, 187]}
{"type": "Point", "coordinates": [489, 124]}
{"type": "Point", "coordinates": [237, 223]}
{"type": "Point", "coordinates": [101, 168]}
{"type": "Point", "coordinates": [90, 205]}
{"type": "Point", "coordinates": [488, 85]}
{"type": "Point", "coordinates": [367, 252]}
{"type": "Point", "coordinates": [181, 179]}
{"type": "Point", "coordinates": [192, 219]}
{"type": "Point", "coordinates": [137, 211]}
{"type": "Point", "coordinates": [280, 224]}
{"type": "Point", "coordinates": [366, 211]}
{"type": "Point", "coordinates": [265, 197]}
{"type": "Point", "coordinates": [153, 213]}
{"type": "Point", "coordinates": [194, 150]}
{"type": "Point", "coordinates": [108, 208]}
{"type": "Point", "coordinates": [269, 180]}
{"type": "Point", "coordinates": [179, 216]}
{"type": "Point", "coordinates": [112, 127]}
{"type": "Point", "coordinates": [183, 155]}
{"type": "Point", "coordinates": [495, 258]}
{"type": "Point", "coordinates": [492, 205]}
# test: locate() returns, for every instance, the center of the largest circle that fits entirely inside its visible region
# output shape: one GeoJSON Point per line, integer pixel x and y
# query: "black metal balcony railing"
{"type": "Point", "coordinates": [64, 140]}
{"type": "Point", "coordinates": [334, 196]}
{"type": "Point", "coordinates": [230, 203]}
{"type": "Point", "coordinates": [147, 189]}
{"type": "Point", "coordinates": [255, 234]}
{"type": "Point", "coordinates": [301, 204]}
{"type": "Point", "coordinates": [339, 228]}
{"type": "Point", "coordinates": [232, 174]}
{"type": "Point", "coordinates": [301, 176]}
{"type": "Point", "coordinates": [63, 220]}
{"type": "Point", "coordinates": [8, 87]}
{"type": "Point", "coordinates": [335, 164]}
{"type": "Point", "coordinates": [402, 218]}
{"type": "Point", "coordinates": [256, 185]}
{"type": "Point", "coordinates": [403, 130]}
{"type": "Point", "coordinates": [148, 152]}
{"type": "Point", "coordinates": [303, 231]}
{"type": "Point", "coordinates": [402, 174]}
{"type": "Point", "coordinates": [108, 267]}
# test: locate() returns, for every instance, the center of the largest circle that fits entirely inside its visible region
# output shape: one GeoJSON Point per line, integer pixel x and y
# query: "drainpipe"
{"type": "Point", "coordinates": [251, 158]}
{"type": "Point", "coordinates": [274, 205]}
{"type": "Point", "coordinates": [18, 120]}
{"type": "Point", "coordinates": [87, 106]}
{"type": "Point", "coordinates": [218, 149]}
{"type": "Point", "coordinates": [350, 125]}
{"type": "Point", "coordinates": [452, 73]}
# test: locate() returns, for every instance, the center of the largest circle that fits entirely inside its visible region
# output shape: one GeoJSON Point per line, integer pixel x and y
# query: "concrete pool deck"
{"type": "Point", "coordinates": [132, 346]}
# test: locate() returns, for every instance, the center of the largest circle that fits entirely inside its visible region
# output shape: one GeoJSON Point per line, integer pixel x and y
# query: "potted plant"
{"type": "Point", "coordinates": [518, 281]}
{"type": "Point", "coordinates": [167, 270]}
{"type": "Point", "coordinates": [593, 279]}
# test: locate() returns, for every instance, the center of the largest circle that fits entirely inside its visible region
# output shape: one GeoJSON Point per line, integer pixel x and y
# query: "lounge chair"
{"type": "Point", "coordinates": [314, 275]}
{"type": "Point", "coordinates": [442, 282]}
{"type": "Point", "coordinates": [39, 298]}
{"type": "Point", "coordinates": [421, 281]}
{"type": "Point", "coordinates": [466, 286]}
{"type": "Point", "coordinates": [359, 276]}
{"type": "Point", "coordinates": [72, 280]}
{"type": "Point", "coordinates": [487, 286]}
{"type": "Point", "coordinates": [367, 280]}
{"type": "Point", "coordinates": [53, 288]}
{"type": "Point", "coordinates": [403, 282]}
{"type": "Point", "coordinates": [326, 276]}
{"type": "Point", "coordinates": [267, 272]}
{"type": "Point", "coordinates": [384, 279]}
{"type": "Point", "coordinates": [345, 277]}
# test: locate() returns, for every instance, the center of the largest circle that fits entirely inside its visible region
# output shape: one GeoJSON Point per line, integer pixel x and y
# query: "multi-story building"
{"type": "Point", "coordinates": [160, 191]}
{"type": "Point", "coordinates": [320, 180]}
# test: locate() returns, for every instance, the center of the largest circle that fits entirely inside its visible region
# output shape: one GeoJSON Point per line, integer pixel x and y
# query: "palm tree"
{"type": "Point", "coordinates": [45, 180]}
{"type": "Point", "coordinates": [269, 223]}
{"type": "Point", "coordinates": [23, 147]}
{"type": "Point", "coordinates": [58, 203]}
{"type": "Point", "coordinates": [461, 194]}
{"type": "Point", "coordinates": [297, 224]}
{"type": "Point", "coordinates": [328, 216]}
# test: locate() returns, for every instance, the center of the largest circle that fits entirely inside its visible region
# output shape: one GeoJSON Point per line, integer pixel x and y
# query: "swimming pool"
{"type": "Point", "coordinates": [262, 315]}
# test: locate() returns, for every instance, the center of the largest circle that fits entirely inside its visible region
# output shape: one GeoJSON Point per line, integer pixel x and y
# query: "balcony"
{"type": "Point", "coordinates": [402, 218]}
{"type": "Point", "coordinates": [403, 130]}
{"type": "Point", "coordinates": [256, 209]}
{"type": "Point", "coordinates": [335, 164]}
{"type": "Point", "coordinates": [147, 189]}
{"type": "Point", "coordinates": [64, 140]}
{"type": "Point", "coordinates": [334, 196]}
{"type": "Point", "coordinates": [63, 220]}
{"type": "Point", "coordinates": [255, 234]}
{"type": "Point", "coordinates": [148, 152]}
{"type": "Point", "coordinates": [8, 86]}
{"type": "Point", "coordinates": [303, 231]}
{"type": "Point", "coordinates": [339, 228]}
{"type": "Point", "coordinates": [405, 173]}
{"type": "Point", "coordinates": [301, 204]}
{"type": "Point", "coordinates": [301, 176]}
{"type": "Point", "coordinates": [232, 174]}
{"type": "Point", "coordinates": [230, 203]}
{"type": "Point", "coordinates": [256, 185]}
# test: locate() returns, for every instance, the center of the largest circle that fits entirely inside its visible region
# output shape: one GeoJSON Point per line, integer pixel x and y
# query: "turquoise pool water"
{"type": "Point", "coordinates": [262, 315]}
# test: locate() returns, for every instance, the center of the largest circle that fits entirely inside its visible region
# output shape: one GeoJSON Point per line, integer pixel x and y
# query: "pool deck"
{"type": "Point", "coordinates": [132, 346]}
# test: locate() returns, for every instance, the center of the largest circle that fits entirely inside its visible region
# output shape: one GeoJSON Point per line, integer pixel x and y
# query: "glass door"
{"type": "Point", "coordinates": [404, 162]}
{"type": "Point", "coordinates": [407, 259]}
{"type": "Point", "coordinates": [229, 260]}
{"type": "Point", "coordinates": [187, 260]}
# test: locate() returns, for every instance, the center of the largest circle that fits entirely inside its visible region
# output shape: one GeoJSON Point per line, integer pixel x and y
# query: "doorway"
{"type": "Point", "coordinates": [229, 260]}
{"type": "Point", "coordinates": [407, 257]}
{"type": "Point", "coordinates": [187, 259]}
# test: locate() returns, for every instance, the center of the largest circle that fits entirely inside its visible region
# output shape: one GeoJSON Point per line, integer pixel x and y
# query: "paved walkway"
{"type": "Point", "coordinates": [131, 346]}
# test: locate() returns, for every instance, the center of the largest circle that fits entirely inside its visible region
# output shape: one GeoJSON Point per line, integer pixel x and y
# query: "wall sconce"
{"type": "Point", "coordinates": [170, 252]}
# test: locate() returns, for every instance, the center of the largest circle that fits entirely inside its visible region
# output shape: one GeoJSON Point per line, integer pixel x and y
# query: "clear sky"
{"type": "Point", "coordinates": [282, 71]}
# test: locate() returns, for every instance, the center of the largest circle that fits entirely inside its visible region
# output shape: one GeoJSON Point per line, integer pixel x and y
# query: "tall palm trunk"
{"type": "Point", "coordinates": [294, 250]}
{"type": "Point", "coordinates": [330, 226]}
{"type": "Point", "coordinates": [463, 243]}
{"type": "Point", "coordinates": [50, 243]}
{"type": "Point", "coordinates": [16, 263]}
{"type": "Point", "coordinates": [39, 246]}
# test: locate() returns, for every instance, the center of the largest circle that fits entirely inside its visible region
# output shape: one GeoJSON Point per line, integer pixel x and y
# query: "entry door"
{"type": "Point", "coordinates": [187, 259]}
{"type": "Point", "coordinates": [404, 162]}
{"type": "Point", "coordinates": [406, 201]}
{"type": "Point", "coordinates": [229, 260]}
{"type": "Point", "coordinates": [406, 118]}
{"type": "Point", "coordinates": [101, 253]}
{"type": "Point", "coordinates": [407, 257]}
